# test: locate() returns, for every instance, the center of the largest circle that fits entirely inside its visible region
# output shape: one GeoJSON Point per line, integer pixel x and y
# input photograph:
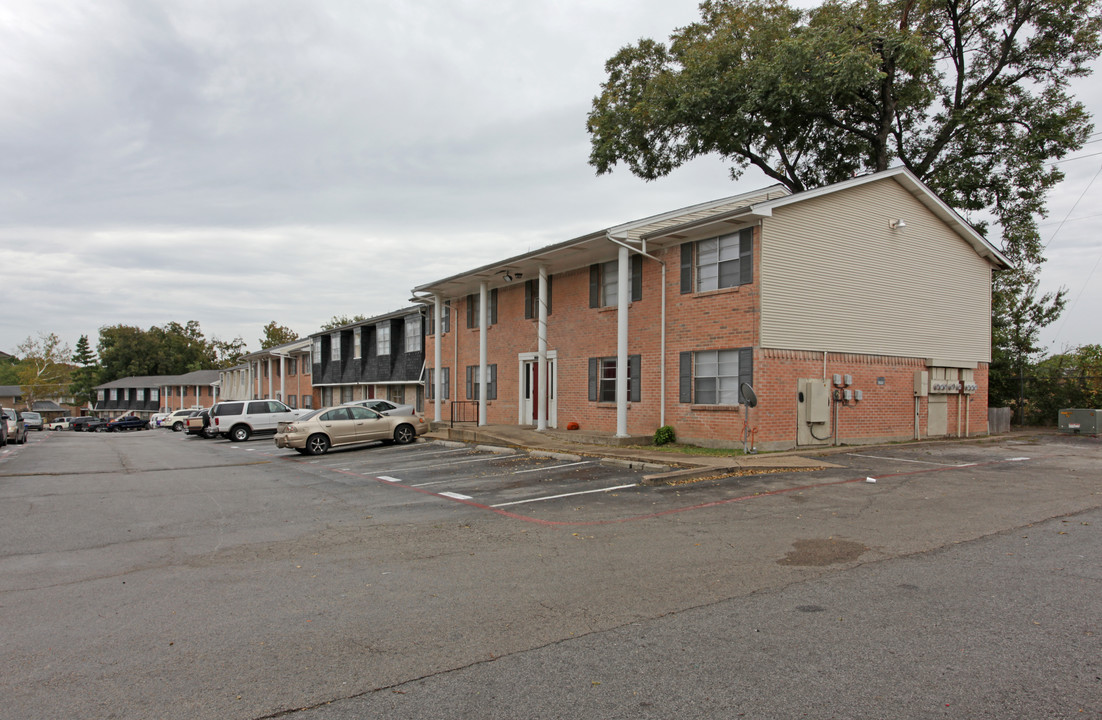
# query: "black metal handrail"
{"type": "Point", "coordinates": [464, 411]}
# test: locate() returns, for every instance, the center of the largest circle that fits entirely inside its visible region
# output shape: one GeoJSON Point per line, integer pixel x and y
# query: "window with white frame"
{"type": "Point", "coordinates": [114, 394]}
{"type": "Point", "coordinates": [335, 347]}
{"type": "Point", "coordinates": [317, 348]}
{"type": "Point", "coordinates": [717, 263]}
{"type": "Point", "coordinates": [413, 333]}
{"type": "Point", "coordinates": [307, 401]}
{"type": "Point", "coordinates": [604, 282]}
{"type": "Point", "coordinates": [308, 364]}
{"type": "Point", "coordinates": [356, 343]}
{"type": "Point", "coordinates": [100, 395]}
{"type": "Point", "coordinates": [602, 379]}
{"type": "Point", "coordinates": [154, 394]}
{"type": "Point", "coordinates": [382, 339]}
{"type": "Point", "coordinates": [473, 383]}
{"type": "Point", "coordinates": [141, 394]}
{"type": "Point", "coordinates": [713, 377]}
{"type": "Point", "coordinates": [445, 384]}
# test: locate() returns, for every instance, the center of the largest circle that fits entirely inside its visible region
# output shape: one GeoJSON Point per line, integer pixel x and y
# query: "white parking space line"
{"type": "Point", "coordinates": [553, 467]}
{"type": "Point", "coordinates": [464, 462]}
{"type": "Point", "coordinates": [556, 497]}
{"type": "Point", "coordinates": [438, 482]}
{"type": "Point", "coordinates": [389, 479]}
{"type": "Point", "coordinates": [922, 462]}
{"type": "Point", "coordinates": [456, 495]}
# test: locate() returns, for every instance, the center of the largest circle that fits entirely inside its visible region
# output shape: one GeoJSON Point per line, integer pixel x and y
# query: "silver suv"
{"type": "Point", "coordinates": [241, 419]}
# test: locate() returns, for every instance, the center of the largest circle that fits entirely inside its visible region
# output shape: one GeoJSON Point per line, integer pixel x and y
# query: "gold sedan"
{"type": "Point", "coordinates": [316, 432]}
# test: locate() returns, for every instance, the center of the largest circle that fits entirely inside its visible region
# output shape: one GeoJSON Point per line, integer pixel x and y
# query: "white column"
{"type": "Point", "coordinates": [282, 376]}
{"type": "Point", "coordinates": [268, 361]}
{"type": "Point", "coordinates": [622, 297]}
{"type": "Point", "coordinates": [541, 328]}
{"type": "Point", "coordinates": [437, 337]}
{"type": "Point", "coordinates": [483, 323]}
{"type": "Point", "coordinates": [181, 389]}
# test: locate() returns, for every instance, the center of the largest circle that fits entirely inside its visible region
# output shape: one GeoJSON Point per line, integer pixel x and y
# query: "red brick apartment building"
{"type": "Point", "coordinates": [854, 313]}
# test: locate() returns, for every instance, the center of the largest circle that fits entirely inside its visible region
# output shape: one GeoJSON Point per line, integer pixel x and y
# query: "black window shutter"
{"type": "Point", "coordinates": [746, 256]}
{"type": "Point", "coordinates": [594, 286]}
{"type": "Point", "coordinates": [491, 384]}
{"type": "Point", "coordinates": [636, 278]}
{"type": "Point", "coordinates": [470, 380]}
{"type": "Point", "coordinates": [493, 308]}
{"type": "Point", "coordinates": [745, 370]}
{"type": "Point", "coordinates": [470, 311]}
{"type": "Point", "coordinates": [686, 268]}
{"type": "Point", "coordinates": [635, 377]}
{"type": "Point", "coordinates": [685, 378]}
{"type": "Point", "coordinates": [548, 294]}
{"type": "Point", "coordinates": [594, 373]}
{"type": "Point", "coordinates": [529, 291]}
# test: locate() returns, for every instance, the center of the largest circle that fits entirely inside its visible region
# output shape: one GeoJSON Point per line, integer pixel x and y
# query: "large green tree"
{"type": "Point", "coordinates": [83, 376]}
{"type": "Point", "coordinates": [971, 96]}
{"type": "Point", "coordinates": [43, 370]}
{"type": "Point", "coordinates": [172, 349]}
{"type": "Point", "coordinates": [275, 334]}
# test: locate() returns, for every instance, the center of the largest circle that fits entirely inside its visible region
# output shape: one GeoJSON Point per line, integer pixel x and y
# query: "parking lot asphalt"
{"type": "Point", "coordinates": [153, 575]}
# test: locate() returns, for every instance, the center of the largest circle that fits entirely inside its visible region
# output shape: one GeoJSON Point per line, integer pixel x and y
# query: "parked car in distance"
{"type": "Point", "coordinates": [3, 430]}
{"type": "Point", "coordinates": [178, 419]}
{"type": "Point", "coordinates": [77, 424]}
{"type": "Point", "coordinates": [316, 432]}
{"type": "Point", "coordinates": [17, 432]}
{"type": "Point", "coordinates": [61, 423]}
{"type": "Point", "coordinates": [156, 419]}
{"type": "Point", "coordinates": [93, 425]}
{"type": "Point", "coordinates": [199, 424]}
{"type": "Point", "coordinates": [32, 420]}
{"type": "Point", "coordinates": [127, 422]}
{"type": "Point", "coordinates": [384, 407]}
{"type": "Point", "coordinates": [241, 419]}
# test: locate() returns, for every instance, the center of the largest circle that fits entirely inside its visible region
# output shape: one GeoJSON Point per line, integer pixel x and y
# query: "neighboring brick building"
{"type": "Point", "coordinates": [283, 372]}
{"type": "Point", "coordinates": [858, 312]}
{"type": "Point", "coordinates": [149, 394]}
{"type": "Point", "coordinates": [381, 357]}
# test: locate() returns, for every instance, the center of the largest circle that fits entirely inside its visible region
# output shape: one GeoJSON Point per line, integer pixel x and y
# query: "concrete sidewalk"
{"type": "Point", "coordinates": [669, 466]}
{"type": "Point", "coordinates": [666, 466]}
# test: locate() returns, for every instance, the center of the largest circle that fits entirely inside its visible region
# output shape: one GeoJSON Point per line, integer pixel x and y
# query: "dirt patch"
{"type": "Point", "coordinates": [822, 551]}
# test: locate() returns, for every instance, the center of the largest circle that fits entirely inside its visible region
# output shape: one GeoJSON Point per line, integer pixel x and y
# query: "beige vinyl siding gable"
{"type": "Point", "coordinates": [836, 277]}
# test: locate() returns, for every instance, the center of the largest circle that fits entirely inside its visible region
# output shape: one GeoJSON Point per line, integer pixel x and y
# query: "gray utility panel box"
{"type": "Point", "coordinates": [1080, 422]}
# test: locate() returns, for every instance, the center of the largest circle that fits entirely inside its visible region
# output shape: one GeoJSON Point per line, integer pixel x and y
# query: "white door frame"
{"type": "Point", "coordinates": [524, 405]}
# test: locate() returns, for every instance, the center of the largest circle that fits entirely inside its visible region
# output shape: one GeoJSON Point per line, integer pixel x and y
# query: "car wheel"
{"type": "Point", "coordinates": [240, 433]}
{"type": "Point", "coordinates": [317, 445]}
{"type": "Point", "coordinates": [404, 434]}
{"type": "Point", "coordinates": [177, 426]}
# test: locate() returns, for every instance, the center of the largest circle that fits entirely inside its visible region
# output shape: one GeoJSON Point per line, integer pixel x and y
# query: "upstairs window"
{"type": "Point", "coordinates": [604, 282]}
{"type": "Point", "coordinates": [473, 309]}
{"type": "Point", "coordinates": [357, 344]}
{"type": "Point", "coordinates": [335, 347]}
{"type": "Point", "coordinates": [719, 262]}
{"type": "Point", "coordinates": [382, 339]}
{"type": "Point", "coordinates": [532, 298]}
{"type": "Point", "coordinates": [413, 333]}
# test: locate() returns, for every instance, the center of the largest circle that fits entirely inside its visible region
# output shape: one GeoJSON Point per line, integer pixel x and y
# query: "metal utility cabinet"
{"type": "Point", "coordinates": [1080, 422]}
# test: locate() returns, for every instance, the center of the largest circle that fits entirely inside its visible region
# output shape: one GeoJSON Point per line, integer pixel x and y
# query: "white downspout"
{"type": "Point", "coordinates": [623, 267]}
{"type": "Point", "coordinates": [437, 384]}
{"type": "Point", "coordinates": [483, 315]}
{"type": "Point", "coordinates": [541, 328]}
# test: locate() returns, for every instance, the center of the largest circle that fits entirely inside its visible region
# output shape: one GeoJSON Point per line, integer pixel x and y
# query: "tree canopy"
{"type": "Point", "coordinates": [173, 349]}
{"type": "Point", "coordinates": [972, 97]}
{"type": "Point", "coordinates": [341, 320]}
{"type": "Point", "coordinates": [43, 370]}
{"type": "Point", "coordinates": [275, 334]}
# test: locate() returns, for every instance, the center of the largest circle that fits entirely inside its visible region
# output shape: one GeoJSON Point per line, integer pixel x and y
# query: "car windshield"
{"type": "Point", "coordinates": [310, 415]}
{"type": "Point", "coordinates": [31, 416]}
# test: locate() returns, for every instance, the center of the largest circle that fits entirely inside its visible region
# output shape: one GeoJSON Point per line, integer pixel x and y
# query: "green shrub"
{"type": "Point", "coordinates": [664, 435]}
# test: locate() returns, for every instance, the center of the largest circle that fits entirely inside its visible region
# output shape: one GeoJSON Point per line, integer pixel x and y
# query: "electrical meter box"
{"type": "Point", "coordinates": [1080, 421]}
{"type": "Point", "coordinates": [922, 383]}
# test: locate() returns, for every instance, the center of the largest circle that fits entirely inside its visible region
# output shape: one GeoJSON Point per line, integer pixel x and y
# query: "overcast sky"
{"type": "Point", "coordinates": [241, 161]}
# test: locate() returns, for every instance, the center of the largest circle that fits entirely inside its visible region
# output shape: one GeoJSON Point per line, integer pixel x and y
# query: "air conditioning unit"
{"type": "Point", "coordinates": [1080, 421]}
